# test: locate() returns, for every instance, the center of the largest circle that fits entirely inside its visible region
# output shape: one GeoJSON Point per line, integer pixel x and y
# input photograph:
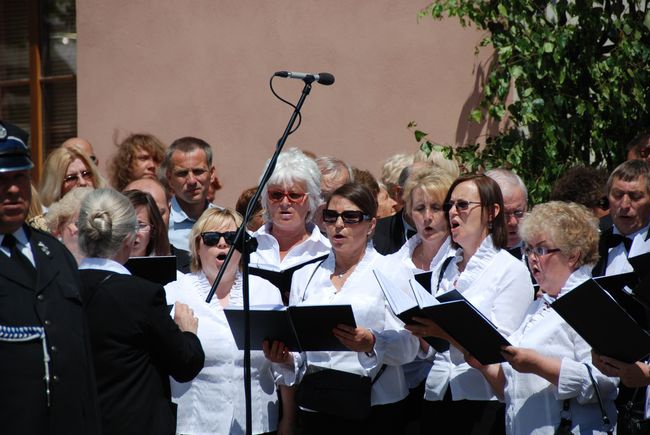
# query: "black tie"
{"type": "Point", "coordinates": [613, 240]}
{"type": "Point", "coordinates": [10, 242]}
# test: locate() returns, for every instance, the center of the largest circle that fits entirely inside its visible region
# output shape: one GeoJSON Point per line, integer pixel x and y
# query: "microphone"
{"type": "Point", "coordinates": [322, 78]}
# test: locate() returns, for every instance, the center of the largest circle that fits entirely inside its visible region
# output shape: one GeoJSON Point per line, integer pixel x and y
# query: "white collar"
{"type": "Point", "coordinates": [19, 235]}
{"type": "Point", "coordinates": [103, 264]}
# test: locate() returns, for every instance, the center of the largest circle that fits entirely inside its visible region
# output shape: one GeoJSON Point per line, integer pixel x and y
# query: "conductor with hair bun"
{"type": "Point", "coordinates": [135, 344]}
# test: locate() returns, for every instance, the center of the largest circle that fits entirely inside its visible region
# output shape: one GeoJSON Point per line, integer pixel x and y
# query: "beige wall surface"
{"type": "Point", "coordinates": [201, 67]}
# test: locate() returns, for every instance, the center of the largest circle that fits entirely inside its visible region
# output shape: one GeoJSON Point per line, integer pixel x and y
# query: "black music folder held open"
{"type": "Point", "coordinates": [161, 270]}
{"type": "Point", "coordinates": [453, 313]}
{"type": "Point", "coordinates": [603, 323]}
{"type": "Point", "coordinates": [281, 278]}
{"type": "Point", "coordinates": [301, 328]}
{"type": "Point", "coordinates": [469, 327]}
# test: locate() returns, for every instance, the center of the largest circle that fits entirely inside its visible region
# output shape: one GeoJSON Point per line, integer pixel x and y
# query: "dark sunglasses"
{"type": "Point", "coordinates": [211, 238]}
{"type": "Point", "coordinates": [348, 216]}
{"type": "Point", "coordinates": [294, 197]}
{"type": "Point", "coordinates": [461, 205]}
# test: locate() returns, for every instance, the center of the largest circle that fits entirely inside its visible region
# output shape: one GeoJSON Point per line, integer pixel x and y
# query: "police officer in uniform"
{"type": "Point", "coordinates": [46, 378]}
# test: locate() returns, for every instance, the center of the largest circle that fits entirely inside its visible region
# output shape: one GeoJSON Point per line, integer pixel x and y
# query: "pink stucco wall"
{"type": "Point", "coordinates": [201, 67]}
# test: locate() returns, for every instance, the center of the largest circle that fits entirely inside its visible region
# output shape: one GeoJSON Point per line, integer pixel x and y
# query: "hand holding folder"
{"type": "Point", "coordinates": [458, 318]}
{"type": "Point", "coordinates": [301, 328]}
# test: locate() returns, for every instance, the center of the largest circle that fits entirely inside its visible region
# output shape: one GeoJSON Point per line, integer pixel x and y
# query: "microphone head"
{"type": "Point", "coordinates": [325, 78]}
{"type": "Point", "coordinates": [281, 74]}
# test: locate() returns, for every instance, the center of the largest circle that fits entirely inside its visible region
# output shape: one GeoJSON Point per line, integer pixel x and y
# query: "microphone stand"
{"type": "Point", "coordinates": [247, 244]}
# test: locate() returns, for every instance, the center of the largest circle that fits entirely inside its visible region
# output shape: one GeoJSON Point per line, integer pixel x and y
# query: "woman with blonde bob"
{"type": "Point", "coordinates": [424, 196]}
{"type": "Point", "coordinates": [548, 362]}
{"type": "Point", "coordinates": [214, 401]}
{"type": "Point", "coordinates": [65, 169]}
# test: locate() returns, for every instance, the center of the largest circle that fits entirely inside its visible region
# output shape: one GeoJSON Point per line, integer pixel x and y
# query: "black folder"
{"type": "Point", "coordinates": [619, 286]}
{"type": "Point", "coordinates": [603, 323]}
{"type": "Point", "coordinates": [468, 326]}
{"type": "Point", "coordinates": [282, 278]}
{"type": "Point", "coordinates": [301, 328]}
{"type": "Point", "coordinates": [161, 270]}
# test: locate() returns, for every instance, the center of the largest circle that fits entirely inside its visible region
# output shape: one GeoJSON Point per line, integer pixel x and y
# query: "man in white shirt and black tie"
{"type": "Point", "coordinates": [628, 191]}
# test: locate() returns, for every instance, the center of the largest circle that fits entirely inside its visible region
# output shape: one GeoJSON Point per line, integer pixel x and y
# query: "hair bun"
{"type": "Point", "coordinates": [100, 225]}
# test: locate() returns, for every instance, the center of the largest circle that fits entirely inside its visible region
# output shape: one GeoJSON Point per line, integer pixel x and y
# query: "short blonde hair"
{"type": "Point", "coordinates": [56, 165]}
{"type": "Point", "coordinates": [434, 181]}
{"type": "Point", "coordinates": [571, 227]}
{"type": "Point", "coordinates": [61, 211]}
{"type": "Point", "coordinates": [210, 220]}
{"type": "Point", "coordinates": [438, 160]}
{"type": "Point", "coordinates": [393, 167]}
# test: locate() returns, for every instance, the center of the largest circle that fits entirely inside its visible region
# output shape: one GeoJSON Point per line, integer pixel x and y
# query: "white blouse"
{"type": "Point", "coordinates": [394, 345]}
{"type": "Point", "coordinates": [417, 371]}
{"type": "Point", "coordinates": [267, 255]}
{"type": "Point", "coordinates": [213, 402]}
{"type": "Point", "coordinates": [533, 405]}
{"type": "Point", "coordinates": [499, 286]}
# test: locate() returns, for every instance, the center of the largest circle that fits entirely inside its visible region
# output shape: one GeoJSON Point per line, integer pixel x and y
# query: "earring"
{"type": "Point", "coordinates": [490, 225]}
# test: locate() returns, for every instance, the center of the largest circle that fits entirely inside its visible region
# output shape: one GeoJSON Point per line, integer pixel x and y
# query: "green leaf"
{"type": "Point", "coordinates": [419, 135]}
{"type": "Point", "coordinates": [548, 47]}
{"type": "Point", "coordinates": [476, 115]}
{"type": "Point", "coordinates": [502, 10]}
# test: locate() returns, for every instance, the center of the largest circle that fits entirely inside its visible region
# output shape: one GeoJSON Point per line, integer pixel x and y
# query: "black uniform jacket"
{"type": "Point", "coordinates": [49, 298]}
{"type": "Point", "coordinates": [136, 346]}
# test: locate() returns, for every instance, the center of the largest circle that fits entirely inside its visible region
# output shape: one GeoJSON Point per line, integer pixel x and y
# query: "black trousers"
{"type": "Point", "coordinates": [383, 420]}
{"type": "Point", "coordinates": [462, 417]}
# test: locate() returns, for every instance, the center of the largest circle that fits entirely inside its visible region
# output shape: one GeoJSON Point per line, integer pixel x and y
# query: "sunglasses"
{"type": "Point", "coordinates": [86, 175]}
{"type": "Point", "coordinates": [348, 216]}
{"type": "Point", "coordinates": [211, 238]}
{"type": "Point", "coordinates": [293, 197]}
{"type": "Point", "coordinates": [460, 204]}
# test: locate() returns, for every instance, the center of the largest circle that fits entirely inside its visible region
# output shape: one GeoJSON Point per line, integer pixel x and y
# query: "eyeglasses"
{"type": "Point", "coordinates": [293, 197]}
{"type": "Point", "coordinates": [212, 238]}
{"type": "Point", "coordinates": [348, 216]}
{"type": "Point", "coordinates": [539, 251]}
{"type": "Point", "coordinates": [517, 214]}
{"type": "Point", "coordinates": [86, 175]}
{"type": "Point", "coordinates": [460, 204]}
{"type": "Point", "coordinates": [143, 228]}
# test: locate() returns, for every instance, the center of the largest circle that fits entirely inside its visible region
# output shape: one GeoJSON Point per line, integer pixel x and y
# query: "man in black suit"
{"type": "Point", "coordinates": [628, 192]}
{"type": "Point", "coordinates": [392, 232]}
{"type": "Point", "coordinates": [46, 376]}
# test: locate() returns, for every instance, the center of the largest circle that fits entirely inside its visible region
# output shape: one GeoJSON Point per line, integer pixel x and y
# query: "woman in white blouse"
{"type": "Point", "coordinates": [424, 195]}
{"type": "Point", "coordinates": [289, 238]}
{"type": "Point", "coordinates": [457, 397]}
{"type": "Point", "coordinates": [346, 277]}
{"type": "Point", "coordinates": [213, 403]}
{"type": "Point", "coordinates": [546, 365]}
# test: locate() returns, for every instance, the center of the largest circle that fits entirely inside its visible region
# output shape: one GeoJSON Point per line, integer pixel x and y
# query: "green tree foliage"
{"type": "Point", "coordinates": [571, 77]}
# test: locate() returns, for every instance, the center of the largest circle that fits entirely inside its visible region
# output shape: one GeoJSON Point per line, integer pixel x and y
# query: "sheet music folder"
{"type": "Point", "coordinates": [453, 313]}
{"type": "Point", "coordinates": [301, 328]}
{"type": "Point", "coordinates": [603, 323]}
{"type": "Point", "coordinates": [469, 327]}
{"type": "Point", "coordinates": [161, 270]}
